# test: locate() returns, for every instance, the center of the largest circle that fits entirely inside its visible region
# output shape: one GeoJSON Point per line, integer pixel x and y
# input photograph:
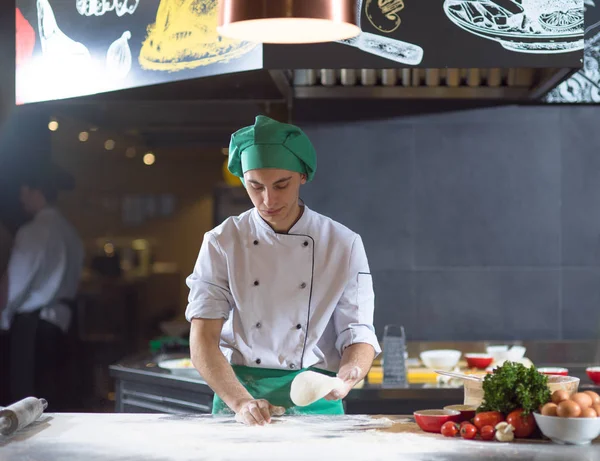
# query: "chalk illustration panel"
{"type": "Point", "coordinates": [584, 86]}
{"type": "Point", "coordinates": [526, 26]}
{"type": "Point", "coordinates": [449, 33]}
{"type": "Point", "coordinates": [69, 48]}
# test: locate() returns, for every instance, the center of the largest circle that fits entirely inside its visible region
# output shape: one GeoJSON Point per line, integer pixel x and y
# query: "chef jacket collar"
{"type": "Point", "coordinates": [300, 227]}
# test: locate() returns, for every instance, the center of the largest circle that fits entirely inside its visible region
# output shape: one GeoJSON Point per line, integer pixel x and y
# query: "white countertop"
{"type": "Point", "coordinates": [159, 437]}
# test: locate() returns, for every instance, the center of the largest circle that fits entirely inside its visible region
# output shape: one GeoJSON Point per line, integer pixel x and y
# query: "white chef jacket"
{"type": "Point", "coordinates": [290, 301]}
{"type": "Point", "coordinates": [44, 268]}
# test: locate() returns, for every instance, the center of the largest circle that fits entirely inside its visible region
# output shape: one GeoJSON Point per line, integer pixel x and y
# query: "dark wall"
{"type": "Point", "coordinates": [479, 224]}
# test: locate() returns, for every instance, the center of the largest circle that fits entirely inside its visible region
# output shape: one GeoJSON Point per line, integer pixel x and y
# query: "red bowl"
{"type": "Point", "coordinates": [594, 374]}
{"type": "Point", "coordinates": [467, 412]}
{"type": "Point", "coordinates": [433, 420]}
{"type": "Point", "coordinates": [481, 361]}
{"type": "Point", "coordinates": [554, 371]}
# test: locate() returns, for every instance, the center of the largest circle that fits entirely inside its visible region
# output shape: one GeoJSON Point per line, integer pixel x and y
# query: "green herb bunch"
{"type": "Point", "coordinates": [514, 386]}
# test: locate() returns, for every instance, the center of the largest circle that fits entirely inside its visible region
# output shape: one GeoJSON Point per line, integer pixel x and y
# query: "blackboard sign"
{"type": "Point", "coordinates": [68, 48]}
{"type": "Point", "coordinates": [451, 33]}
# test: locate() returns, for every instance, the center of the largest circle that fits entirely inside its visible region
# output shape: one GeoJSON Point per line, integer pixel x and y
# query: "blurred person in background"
{"type": "Point", "coordinates": [37, 292]}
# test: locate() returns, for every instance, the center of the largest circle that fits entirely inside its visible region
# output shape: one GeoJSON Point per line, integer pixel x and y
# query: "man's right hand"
{"type": "Point", "coordinates": [257, 412]}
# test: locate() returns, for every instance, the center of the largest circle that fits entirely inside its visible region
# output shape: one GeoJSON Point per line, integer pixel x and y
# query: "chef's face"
{"type": "Point", "coordinates": [28, 199]}
{"type": "Point", "coordinates": [275, 195]}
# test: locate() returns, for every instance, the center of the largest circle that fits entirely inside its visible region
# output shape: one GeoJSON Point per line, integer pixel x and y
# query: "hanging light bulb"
{"type": "Point", "coordinates": [288, 21]}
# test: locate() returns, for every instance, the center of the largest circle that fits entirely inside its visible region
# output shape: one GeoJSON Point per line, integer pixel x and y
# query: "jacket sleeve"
{"type": "Point", "coordinates": [210, 296]}
{"type": "Point", "coordinates": [353, 316]}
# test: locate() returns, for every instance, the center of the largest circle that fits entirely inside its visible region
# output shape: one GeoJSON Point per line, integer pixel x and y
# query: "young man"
{"type": "Point", "coordinates": [40, 282]}
{"type": "Point", "coordinates": [280, 288]}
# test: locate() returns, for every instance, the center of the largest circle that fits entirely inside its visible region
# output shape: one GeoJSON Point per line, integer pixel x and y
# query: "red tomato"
{"type": "Point", "coordinates": [449, 429]}
{"type": "Point", "coordinates": [464, 423]}
{"type": "Point", "coordinates": [524, 425]}
{"type": "Point", "coordinates": [488, 418]}
{"type": "Point", "coordinates": [487, 432]}
{"type": "Point", "coordinates": [468, 431]}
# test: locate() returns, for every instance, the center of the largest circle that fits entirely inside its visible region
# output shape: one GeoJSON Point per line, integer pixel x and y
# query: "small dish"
{"type": "Point", "coordinates": [480, 361]}
{"type": "Point", "coordinates": [594, 374]}
{"type": "Point", "coordinates": [433, 420]}
{"type": "Point", "coordinates": [558, 371]}
{"type": "Point", "coordinates": [467, 412]}
{"type": "Point", "coordinates": [180, 367]}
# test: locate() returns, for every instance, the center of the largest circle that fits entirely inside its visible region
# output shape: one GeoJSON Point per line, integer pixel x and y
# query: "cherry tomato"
{"type": "Point", "coordinates": [524, 425]}
{"type": "Point", "coordinates": [468, 431]}
{"type": "Point", "coordinates": [487, 432]}
{"type": "Point", "coordinates": [488, 418]}
{"type": "Point", "coordinates": [464, 423]}
{"type": "Point", "coordinates": [449, 429]}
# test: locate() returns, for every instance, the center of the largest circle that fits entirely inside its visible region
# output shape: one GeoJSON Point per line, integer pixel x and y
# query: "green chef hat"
{"type": "Point", "coordinates": [271, 144]}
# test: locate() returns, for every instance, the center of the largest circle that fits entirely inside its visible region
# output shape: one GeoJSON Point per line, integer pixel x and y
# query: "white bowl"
{"type": "Point", "coordinates": [180, 367]}
{"type": "Point", "coordinates": [504, 352]}
{"type": "Point", "coordinates": [568, 431]}
{"type": "Point", "coordinates": [441, 359]}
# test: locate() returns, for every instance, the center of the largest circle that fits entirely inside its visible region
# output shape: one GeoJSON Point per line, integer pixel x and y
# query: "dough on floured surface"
{"type": "Point", "coordinates": [310, 386]}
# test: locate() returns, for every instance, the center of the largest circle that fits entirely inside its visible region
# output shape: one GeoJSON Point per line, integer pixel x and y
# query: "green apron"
{"type": "Point", "coordinates": [274, 386]}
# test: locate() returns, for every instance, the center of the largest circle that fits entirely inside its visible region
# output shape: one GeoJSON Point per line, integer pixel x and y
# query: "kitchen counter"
{"type": "Point", "coordinates": [155, 437]}
{"type": "Point", "coordinates": [142, 386]}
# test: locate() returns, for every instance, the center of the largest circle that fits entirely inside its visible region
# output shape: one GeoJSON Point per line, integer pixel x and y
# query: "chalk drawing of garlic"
{"type": "Point", "coordinates": [100, 7]}
{"type": "Point", "coordinates": [56, 45]}
{"type": "Point", "coordinates": [118, 57]}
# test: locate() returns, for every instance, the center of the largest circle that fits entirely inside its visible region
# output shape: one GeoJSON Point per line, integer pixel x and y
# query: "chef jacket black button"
{"type": "Point", "coordinates": [256, 283]}
{"type": "Point", "coordinates": [305, 243]}
{"type": "Point", "coordinates": [303, 285]}
{"type": "Point", "coordinates": [298, 327]}
{"type": "Point", "coordinates": [257, 361]}
{"type": "Point", "coordinates": [292, 366]}
{"type": "Point", "coordinates": [258, 325]}
{"type": "Point", "coordinates": [256, 242]}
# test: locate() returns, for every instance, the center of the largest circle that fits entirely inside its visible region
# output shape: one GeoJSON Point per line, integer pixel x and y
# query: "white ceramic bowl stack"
{"type": "Point", "coordinates": [441, 359]}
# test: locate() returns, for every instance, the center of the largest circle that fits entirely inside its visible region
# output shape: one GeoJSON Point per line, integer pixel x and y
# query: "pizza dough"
{"type": "Point", "coordinates": [310, 386]}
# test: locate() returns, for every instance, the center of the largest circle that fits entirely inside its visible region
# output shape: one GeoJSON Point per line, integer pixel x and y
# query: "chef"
{"type": "Point", "coordinates": [279, 289]}
{"type": "Point", "coordinates": [36, 292]}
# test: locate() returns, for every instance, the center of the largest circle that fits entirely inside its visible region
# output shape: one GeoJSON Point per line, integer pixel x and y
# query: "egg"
{"type": "Point", "coordinates": [596, 408]}
{"type": "Point", "coordinates": [588, 413]}
{"type": "Point", "coordinates": [559, 396]}
{"type": "Point", "coordinates": [595, 397]}
{"type": "Point", "coordinates": [568, 409]}
{"type": "Point", "coordinates": [582, 399]}
{"type": "Point", "coordinates": [549, 409]}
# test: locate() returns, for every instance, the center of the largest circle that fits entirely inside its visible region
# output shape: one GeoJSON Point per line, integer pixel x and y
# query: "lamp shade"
{"type": "Point", "coordinates": [288, 21]}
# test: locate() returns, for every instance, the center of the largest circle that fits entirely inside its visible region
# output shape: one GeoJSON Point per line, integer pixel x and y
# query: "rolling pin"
{"type": "Point", "coordinates": [21, 414]}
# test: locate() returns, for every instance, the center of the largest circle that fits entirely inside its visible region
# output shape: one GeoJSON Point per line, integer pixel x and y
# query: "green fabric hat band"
{"type": "Point", "coordinates": [270, 156]}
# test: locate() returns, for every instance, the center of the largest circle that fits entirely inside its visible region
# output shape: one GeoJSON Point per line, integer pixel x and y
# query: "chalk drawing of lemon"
{"type": "Point", "coordinates": [562, 20]}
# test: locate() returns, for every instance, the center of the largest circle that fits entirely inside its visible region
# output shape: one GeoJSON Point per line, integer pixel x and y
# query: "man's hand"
{"type": "Point", "coordinates": [355, 364]}
{"type": "Point", "coordinates": [350, 376]}
{"type": "Point", "coordinates": [257, 412]}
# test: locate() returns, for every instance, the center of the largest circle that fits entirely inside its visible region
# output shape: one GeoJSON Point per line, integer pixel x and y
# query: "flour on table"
{"type": "Point", "coordinates": [149, 437]}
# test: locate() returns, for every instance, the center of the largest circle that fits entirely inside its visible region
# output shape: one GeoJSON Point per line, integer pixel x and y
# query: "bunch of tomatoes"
{"type": "Point", "coordinates": [484, 424]}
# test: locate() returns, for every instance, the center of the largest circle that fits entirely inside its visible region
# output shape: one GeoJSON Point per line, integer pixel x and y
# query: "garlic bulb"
{"type": "Point", "coordinates": [504, 432]}
{"type": "Point", "coordinates": [100, 7]}
{"type": "Point", "coordinates": [118, 57]}
{"type": "Point", "coordinates": [56, 45]}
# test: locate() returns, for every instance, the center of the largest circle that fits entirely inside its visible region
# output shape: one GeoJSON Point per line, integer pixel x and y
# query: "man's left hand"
{"type": "Point", "coordinates": [350, 376]}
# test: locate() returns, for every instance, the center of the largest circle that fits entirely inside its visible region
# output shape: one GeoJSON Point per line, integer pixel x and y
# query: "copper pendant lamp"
{"type": "Point", "coordinates": [288, 21]}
